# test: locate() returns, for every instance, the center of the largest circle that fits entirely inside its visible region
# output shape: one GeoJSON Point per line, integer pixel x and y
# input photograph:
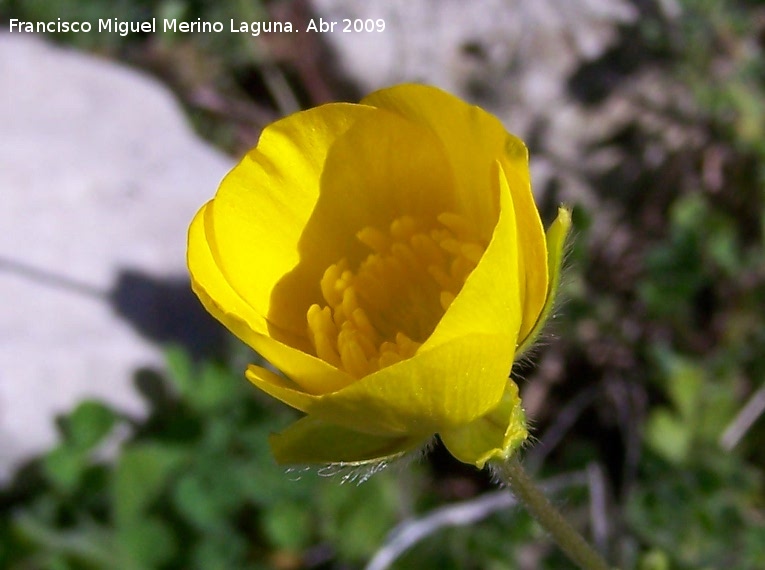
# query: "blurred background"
{"type": "Point", "coordinates": [129, 438]}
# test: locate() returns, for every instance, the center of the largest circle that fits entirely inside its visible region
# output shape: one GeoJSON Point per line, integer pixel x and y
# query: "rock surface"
{"type": "Point", "coordinates": [99, 176]}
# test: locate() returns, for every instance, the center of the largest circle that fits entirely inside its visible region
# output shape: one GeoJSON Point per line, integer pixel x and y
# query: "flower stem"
{"type": "Point", "coordinates": [568, 539]}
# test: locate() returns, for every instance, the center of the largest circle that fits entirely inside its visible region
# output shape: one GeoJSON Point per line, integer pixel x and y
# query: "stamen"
{"type": "Point", "coordinates": [472, 251]}
{"type": "Point", "coordinates": [446, 299]}
{"type": "Point", "coordinates": [373, 238]}
{"type": "Point", "coordinates": [381, 312]}
{"type": "Point", "coordinates": [352, 357]}
{"type": "Point", "coordinates": [456, 224]}
{"type": "Point", "coordinates": [451, 245]}
{"type": "Point", "coordinates": [329, 282]}
{"type": "Point", "coordinates": [403, 228]}
{"type": "Point", "coordinates": [443, 279]}
{"type": "Point", "coordinates": [323, 334]}
{"type": "Point", "coordinates": [427, 249]}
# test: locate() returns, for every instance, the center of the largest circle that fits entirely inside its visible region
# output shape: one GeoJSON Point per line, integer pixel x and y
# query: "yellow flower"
{"type": "Point", "coordinates": [389, 260]}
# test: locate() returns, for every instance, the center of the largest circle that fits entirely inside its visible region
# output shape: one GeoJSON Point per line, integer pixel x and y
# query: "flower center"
{"type": "Point", "coordinates": [381, 312]}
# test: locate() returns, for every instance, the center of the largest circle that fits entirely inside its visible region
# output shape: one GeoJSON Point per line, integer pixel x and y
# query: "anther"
{"type": "Point", "coordinates": [380, 312]}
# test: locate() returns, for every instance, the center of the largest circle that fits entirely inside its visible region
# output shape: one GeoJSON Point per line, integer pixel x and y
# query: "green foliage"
{"type": "Point", "coordinates": [699, 515]}
{"type": "Point", "coordinates": [193, 485]}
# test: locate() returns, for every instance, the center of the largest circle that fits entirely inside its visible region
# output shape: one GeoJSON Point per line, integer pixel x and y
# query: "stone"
{"type": "Point", "coordinates": [100, 176]}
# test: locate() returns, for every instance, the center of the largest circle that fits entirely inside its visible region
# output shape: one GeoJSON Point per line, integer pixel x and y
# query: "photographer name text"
{"type": "Point", "coordinates": [166, 25]}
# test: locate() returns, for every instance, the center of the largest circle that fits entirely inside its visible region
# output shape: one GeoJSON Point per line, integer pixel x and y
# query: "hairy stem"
{"type": "Point", "coordinates": [568, 539]}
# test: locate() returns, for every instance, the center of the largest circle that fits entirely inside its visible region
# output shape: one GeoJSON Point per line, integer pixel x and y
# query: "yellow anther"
{"type": "Point", "coordinates": [371, 289]}
{"type": "Point", "coordinates": [426, 249]}
{"type": "Point", "coordinates": [388, 358]}
{"type": "Point", "coordinates": [323, 334]}
{"type": "Point", "coordinates": [350, 335]}
{"type": "Point", "coordinates": [373, 238]}
{"type": "Point", "coordinates": [472, 251]}
{"type": "Point", "coordinates": [353, 359]}
{"type": "Point", "coordinates": [456, 224]}
{"type": "Point", "coordinates": [344, 280]}
{"type": "Point", "coordinates": [350, 302]}
{"type": "Point", "coordinates": [363, 325]}
{"type": "Point", "coordinates": [381, 311]}
{"type": "Point", "coordinates": [329, 281]}
{"type": "Point", "coordinates": [451, 245]}
{"type": "Point", "coordinates": [395, 272]}
{"type": "Point", "coordinates": [406, 346]}
{"type": "Point", "coordinates": [446, 299]}
{"type": "Point", "coordinates": [461, 268]}
{"type": "Point", "coordinates": [441, 277]}
{"type": "Point", "coordinates": [402, 228]}
{"type": "Point", "coordinates": [406, 256]}
{"type": "Point", "coordinates": [320, 320]}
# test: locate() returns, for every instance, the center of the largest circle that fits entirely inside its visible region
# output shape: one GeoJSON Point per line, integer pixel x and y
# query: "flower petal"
{"type": "Point", "coordinates": [532, 247]}
{"type": "Point", "coordinates": [490, 299]}
{"type": "Point", "coordinates": [226, 305]}
{"type": "Point", "coordinates": [446, 386]}
{"type": "Point", "coordinates": [556, 241]}
{"type": "Point", "coordinates": [495, 435]}
{"type": "Point", "coordinates": [381, 168]}
{"type": "Point", "coordinates": [457, 375]}
{"type": "Point", "coordinates": [264, 203]}
{"type": "Point", "coordinates": [473, 140]}
{"type": "Point", "coordinates": [310, 440]}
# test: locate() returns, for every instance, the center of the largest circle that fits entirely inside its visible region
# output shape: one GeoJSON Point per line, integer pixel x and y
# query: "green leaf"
{"type": "Point", "coordinates": [288, 526]}
{"type": "Point", "coordinates": [146, 543]}
{"type": "Point", "coordinates": [668, 436]}
{"type": "Point", "coordinates": [356, 519]}
{"type": "Point", "coordinates": [685, 384]}
{"type": "Point", "coordinates": [88, 424]}
{"type": "Point", "coordinates": [64, 466]}
{"type": "Point", "coordinates": [141, 474]}
{"type": "Point", "coordinates": [204, 390]}
{"type": "Point", "coordinates": [214, 387]}
{"type": "Point", "coordinates": [180, 369]}
{"type": "Point", "coordinates": [654, 560]}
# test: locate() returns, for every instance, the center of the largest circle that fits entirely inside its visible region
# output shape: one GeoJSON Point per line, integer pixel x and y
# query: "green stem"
{"type": "Point", "coordinates": [569, 540]}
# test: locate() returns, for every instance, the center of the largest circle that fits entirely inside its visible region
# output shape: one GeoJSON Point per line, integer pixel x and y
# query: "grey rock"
{"type": "Point", "coordinates": [521, 52]}
{"type": "Point", "coordinates": [99, 177]}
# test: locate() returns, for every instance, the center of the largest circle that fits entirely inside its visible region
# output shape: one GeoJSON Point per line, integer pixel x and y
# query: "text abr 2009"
{"type": "Point", "coordinates": [368, 25]}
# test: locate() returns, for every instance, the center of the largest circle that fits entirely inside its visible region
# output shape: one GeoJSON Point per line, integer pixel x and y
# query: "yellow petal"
{"type": "Point", "coordinates": [457, 375]}
{"type": "Point", "coordinates": [490, 300]}
{"type": "Point", "coordinates": [495, 435]}
{"type": "Point", "coordinates": [449, 385]}
{"type": "Point", "coordinates": [381, 168]}
{"type": "Point", "coordinates": [532, 247]}
{"type": "Point", "coordinates": [474, 139]}
{"type": "Point", "coordinates": [556, 241]}
{"type": "Point", "coordinates": [310, 440]}
{"type": "Point", "coordinates": [211, 287]}
{"type": "Point", "coordinates": [264, 203]}
{"type": "Point", "coordinates": [226, 305]}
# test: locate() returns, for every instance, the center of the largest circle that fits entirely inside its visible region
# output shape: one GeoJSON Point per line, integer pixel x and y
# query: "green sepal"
{"type": "Point", "coordinates": [494, 436]}
{"type": "Point", "coordinates": [313, 441]}
{"type": "Point", "coordinates": [556, 242]}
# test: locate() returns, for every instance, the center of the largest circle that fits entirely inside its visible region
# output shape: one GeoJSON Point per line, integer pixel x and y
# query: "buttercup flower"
{"type": "Point", "coordinates": [387, 258]}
